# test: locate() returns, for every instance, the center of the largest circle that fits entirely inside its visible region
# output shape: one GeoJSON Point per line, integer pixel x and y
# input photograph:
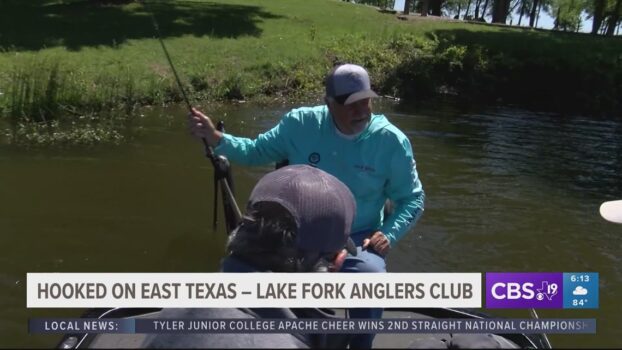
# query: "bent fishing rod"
{"type": "Point", "coordinates": [222, 175]}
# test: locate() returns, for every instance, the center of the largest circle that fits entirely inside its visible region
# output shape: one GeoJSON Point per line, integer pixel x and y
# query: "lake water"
{"type": "Point", "coordinates": [507, 190]}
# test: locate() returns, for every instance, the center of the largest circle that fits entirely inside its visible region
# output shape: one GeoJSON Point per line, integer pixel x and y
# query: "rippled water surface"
{"type": "Point", "coordinates": [507, 190]}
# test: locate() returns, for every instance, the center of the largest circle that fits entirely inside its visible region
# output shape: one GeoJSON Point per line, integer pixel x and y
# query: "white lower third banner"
{"type": "Point", "coordinates": [246, 290]}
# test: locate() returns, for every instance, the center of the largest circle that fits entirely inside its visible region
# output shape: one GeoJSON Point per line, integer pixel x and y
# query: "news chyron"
{"type": "Point", "coordinates": [503, 290]}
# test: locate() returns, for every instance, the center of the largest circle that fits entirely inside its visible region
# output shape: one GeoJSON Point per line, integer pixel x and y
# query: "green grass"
{"type": "Point", "coordinates": [205, 39]}
{"type": "Point", "coordinates": [103, 57]}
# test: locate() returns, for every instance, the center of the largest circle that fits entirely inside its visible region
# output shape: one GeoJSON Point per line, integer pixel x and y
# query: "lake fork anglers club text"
{"type": "Point", "coordinates": [270, 290]}
{"type": "Point", "coordinates": [78, 290]}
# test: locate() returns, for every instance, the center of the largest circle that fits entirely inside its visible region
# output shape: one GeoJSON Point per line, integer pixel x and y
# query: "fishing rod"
{"type": "Point", "coordinates": [545, 340]}
{"type": "Point", "coordinates": [233, 215]}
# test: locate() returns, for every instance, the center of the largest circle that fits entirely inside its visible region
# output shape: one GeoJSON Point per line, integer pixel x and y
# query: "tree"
{"type": "Point", "coordinates": [466, 14]}
{"type": "Point", "coordinates": [597, 14]}
{"type": "Point", "coordinates": [542, 5]}
{"type": "Point", "coordinates": [568, 14]}
{"type": "Point", "coordinates": [500, 10]}
{"type": "Point", "coordinates": [532, 13]}
{"type": "Point", "coordinates": [477, 3]}
{"type": "Point", "coordinates": [384, 4]}
{"type": "Point", "coordinates": [425, 7]}
{"type": "Point", "coordinates": [435, 7]}
{"type": "Point", "coordinates": [614, 17]}
{"type": "Point", "coordinates": [484, 9]}
{"type": "Point", "coordinates": [453, 8]}
{"type": "Point", "coordinates": [407, 6]}
{"type": "Point", "coordinates": [523, 11]}
{"type": "Point", "coordinates": [513, 8]}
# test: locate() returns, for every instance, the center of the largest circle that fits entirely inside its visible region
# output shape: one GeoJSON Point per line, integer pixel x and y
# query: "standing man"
{"type": "Point", "coordinates": [363, 150]}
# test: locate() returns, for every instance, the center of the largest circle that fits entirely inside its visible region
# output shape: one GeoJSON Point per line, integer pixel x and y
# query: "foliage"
{"type": "Point", "coordinates": [385, 4]}
{"type": "Point", "coordinates": [283, 53]}
{"type": "Point", "coordinates": [568, 14]}
{"type": "Point", "coordinates": [53, 134]}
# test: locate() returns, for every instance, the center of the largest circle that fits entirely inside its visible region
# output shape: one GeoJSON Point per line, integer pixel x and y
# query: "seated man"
{"type": "Point", "coordinates": [298, 219]}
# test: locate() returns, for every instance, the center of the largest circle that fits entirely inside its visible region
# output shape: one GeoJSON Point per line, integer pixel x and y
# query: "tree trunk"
{"type": "Point", "coordinates": [476, 16]}
{"type": "Point", "coordinates": [406, 7]}
{"type": "Point", "coordinates": [538, 15]}
{"type": "Point", "coordinates": [556, 23]}
{"type": "Point", "coordinates": [500, 11]}
{"type": "Point", "coordinates": [507, 13]}
{"type": "Point", "coordinates": [484, 9]}
{"type": "Point", "coordinates": [522, 11]}
{"type": "Point", "coordinates": [436, 7]}
{"type": "Point", "coordinates": [425, 6]}
{"type": "Point", "coordinates": [599, 14]}
{"type": "Point", "coordinates": [532, 14]}
{"type": "Point", "coordinates": [613, 19]}
{"type": "Point", "coordinates": [467, 10]}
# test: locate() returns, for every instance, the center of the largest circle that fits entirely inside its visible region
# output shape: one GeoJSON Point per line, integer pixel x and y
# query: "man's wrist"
{"type": "Point", "coordinates": [214, 138]}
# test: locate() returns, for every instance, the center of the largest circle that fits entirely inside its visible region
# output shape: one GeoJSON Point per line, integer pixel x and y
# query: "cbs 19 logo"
{"type": "Point", "coordinates": [525, 291]}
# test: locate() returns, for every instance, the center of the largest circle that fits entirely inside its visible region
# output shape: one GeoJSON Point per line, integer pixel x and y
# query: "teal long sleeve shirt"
{"type": "Point", "coordinates": [376, 165]}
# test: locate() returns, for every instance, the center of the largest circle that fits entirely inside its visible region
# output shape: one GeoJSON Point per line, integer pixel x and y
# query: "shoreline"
{"type": "Point", "coordinates": [86, 92]}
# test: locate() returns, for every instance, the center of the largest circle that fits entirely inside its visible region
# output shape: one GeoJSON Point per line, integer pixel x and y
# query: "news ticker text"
{"type": "Point", "coordinates": [329, 326]}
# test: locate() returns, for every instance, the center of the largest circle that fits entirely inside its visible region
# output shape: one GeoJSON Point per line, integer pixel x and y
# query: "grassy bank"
{"type": "Point", "coordinates": [71, 71]}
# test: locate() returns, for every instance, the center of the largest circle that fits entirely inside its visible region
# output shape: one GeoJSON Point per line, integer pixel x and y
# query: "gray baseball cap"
{"type": "Point", "coordinates": [322, 206]}
{"type": "Point", "coordinates": [348, 83]}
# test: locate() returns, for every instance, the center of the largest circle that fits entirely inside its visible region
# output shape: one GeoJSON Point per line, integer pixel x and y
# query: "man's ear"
{"type": "Point", "coordinates": [338, 261]}
{"type": "Point", "coordinates": [330, 104]}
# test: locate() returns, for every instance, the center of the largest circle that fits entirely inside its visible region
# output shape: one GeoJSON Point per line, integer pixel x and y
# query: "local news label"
{"type": "Point", "coordinates": [235, 290]}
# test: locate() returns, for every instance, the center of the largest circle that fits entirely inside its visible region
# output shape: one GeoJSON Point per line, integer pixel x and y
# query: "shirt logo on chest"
{"type": "Point", "coordinates": [314, 158]}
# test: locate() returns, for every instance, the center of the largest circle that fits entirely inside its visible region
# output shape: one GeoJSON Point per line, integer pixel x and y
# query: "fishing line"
{"type": "Point", "coordinates": [221, 165]}
{"type": "Point", "coordinates": [170, 62]}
